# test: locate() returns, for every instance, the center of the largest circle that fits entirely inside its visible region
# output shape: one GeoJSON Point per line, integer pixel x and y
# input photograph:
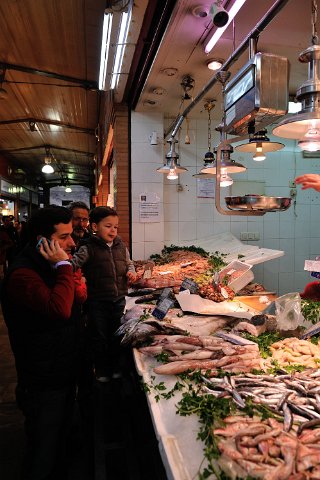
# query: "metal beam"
{"type": "Point", "coordinates": [52, 147]}
{"type": "Point", "coordinates": [89, 131]}
{"type": "Point", "coordinates": [86, 84]}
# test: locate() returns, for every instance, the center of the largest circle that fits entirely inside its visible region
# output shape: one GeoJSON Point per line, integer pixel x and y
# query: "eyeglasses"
{"type": "Point", "coordinates": [80, 220]}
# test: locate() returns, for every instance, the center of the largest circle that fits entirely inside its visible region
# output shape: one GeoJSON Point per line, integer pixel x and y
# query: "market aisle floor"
{"type": "Point", "coordinates": [125, 447]}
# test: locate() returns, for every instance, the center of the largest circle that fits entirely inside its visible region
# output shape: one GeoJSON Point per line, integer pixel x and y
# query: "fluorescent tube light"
{"type": "Point", "coordinates": [121, 45]}
{"type": "Point", "coordinates": [106, 34]}
{"type": "Point", "coordinates": [219, 31]}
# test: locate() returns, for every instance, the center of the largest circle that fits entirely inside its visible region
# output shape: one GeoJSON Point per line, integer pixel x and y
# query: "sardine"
{"type": "Point", "coordinates": [234, 338]}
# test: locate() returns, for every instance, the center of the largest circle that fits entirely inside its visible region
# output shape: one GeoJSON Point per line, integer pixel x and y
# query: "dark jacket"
{"type": "Point", "coordinates": [106, 269]}
{"type": "Point", "coordinates": [43, 321]}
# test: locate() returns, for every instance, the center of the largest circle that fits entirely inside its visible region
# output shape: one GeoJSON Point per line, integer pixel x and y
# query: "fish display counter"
{"type": "Point", "coordinates": [260, 392]}
{"type": "Point", "coordinates": [232, 378]}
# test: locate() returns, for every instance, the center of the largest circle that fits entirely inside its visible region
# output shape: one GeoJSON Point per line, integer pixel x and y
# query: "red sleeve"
{"type": "Point", "coordinates": [80, 287]}
{"type": "Point", "coordinates": [26, 288]}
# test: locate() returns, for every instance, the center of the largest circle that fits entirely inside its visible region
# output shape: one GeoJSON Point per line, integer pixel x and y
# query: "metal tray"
{"type": "Point", "coordinates": [258, 202]}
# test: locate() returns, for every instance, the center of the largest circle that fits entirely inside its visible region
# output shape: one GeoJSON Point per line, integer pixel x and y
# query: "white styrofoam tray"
{"type": "Point", "coordinates": [232, 247]}
{"type": "Point", "coordinates": [181, 452]}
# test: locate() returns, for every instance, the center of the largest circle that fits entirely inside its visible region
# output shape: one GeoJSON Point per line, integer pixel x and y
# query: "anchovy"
{"type": "Point", "coordinates": [300, 411]}
{"type": "Point", "coordinates": [282, 400]}
{"type": "Point", "coordinates": [288, 417]}
{"type": "Point", "coordinates": [310, 424]}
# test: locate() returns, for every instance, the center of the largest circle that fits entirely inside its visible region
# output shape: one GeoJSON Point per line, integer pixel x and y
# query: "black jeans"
{"type": "Point", "coordinates": [104, 320]}
{"type": "Point", "coordinates": [48, 419]}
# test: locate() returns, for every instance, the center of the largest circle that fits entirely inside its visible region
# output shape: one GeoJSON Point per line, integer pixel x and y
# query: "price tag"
{"type": "Point", "coordinates": [164, 303]}
{"type": "Point", "coordinates": [189, 284]}
{"type": "Point", "coordinates": [316, 274]}
{"type": "Point", "coordinates": [162, 308]}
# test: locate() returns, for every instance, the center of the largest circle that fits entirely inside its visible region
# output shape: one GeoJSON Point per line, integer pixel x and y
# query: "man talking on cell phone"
{"type": "Point", "coordinates": [41, 304]}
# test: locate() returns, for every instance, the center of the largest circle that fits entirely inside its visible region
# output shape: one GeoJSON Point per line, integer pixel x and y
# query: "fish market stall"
{"type": "Point", "coordinates": [232, 379]}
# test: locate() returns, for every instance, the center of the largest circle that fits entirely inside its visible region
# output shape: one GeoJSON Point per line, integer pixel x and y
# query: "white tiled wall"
{"type": "Point", "coordinates": [186, 217]}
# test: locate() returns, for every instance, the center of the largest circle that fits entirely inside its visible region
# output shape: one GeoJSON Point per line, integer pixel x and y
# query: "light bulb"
{"type": "Point", "coordinates": [47, 168]}
{"type": "Point", "coordinates": [225, 180]}
{"type": "Point", "coordinates": [172, 175]}
{"type": "Point", "coordinates": [259, 156]}
{"type": "Point", "coordinates": [311, 140]}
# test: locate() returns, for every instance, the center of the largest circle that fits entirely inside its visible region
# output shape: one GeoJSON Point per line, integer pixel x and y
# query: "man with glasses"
{"type": "Point", "coordinates": [80, 221]}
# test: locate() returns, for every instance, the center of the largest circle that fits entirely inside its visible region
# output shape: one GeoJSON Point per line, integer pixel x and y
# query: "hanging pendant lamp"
{"type": "Point", "coordinates": [47, 167]}
{"type": "Point", "coordinates": [228, 164]}
{"type": "Point", "coordinates": [304, 126]}
{"type": "Point", "coordinates": [259, 144]}
{"type": "Point", "coordinates": [172, 167]}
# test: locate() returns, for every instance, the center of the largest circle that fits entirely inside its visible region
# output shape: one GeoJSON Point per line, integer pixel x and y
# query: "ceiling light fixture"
{"type": "Point", "coordinates": [227, 163]}
{"type": "Point", "coordinates": [105, 44]}
{"type": "Point", "coordinates": [215, 63]}
{"type": "Point", "coordinates": [172, 167]}
{"type": "Point", "coordinates": [258, 144]}
{"type": "Point", "coordinates": [209, 168]}
{"type": "Point", "coordinates": [217, 34]}
{"type": "Point", "coordinates": [304, 126]}
{"type": "Point", "coordinates": [121, 46]}
{"type": "Point", "coordinates": [47, 167]}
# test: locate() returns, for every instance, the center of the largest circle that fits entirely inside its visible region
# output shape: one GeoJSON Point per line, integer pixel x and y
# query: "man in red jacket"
{"type": "Point", "coordinates": [41, 304]}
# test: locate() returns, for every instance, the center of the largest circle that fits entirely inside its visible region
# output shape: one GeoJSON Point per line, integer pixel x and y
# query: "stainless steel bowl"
{"type": "Point", "coordinates": [258, 202]}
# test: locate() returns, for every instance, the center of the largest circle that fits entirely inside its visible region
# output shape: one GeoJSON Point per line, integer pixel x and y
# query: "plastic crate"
{"type": "Point", "coordinates": [238, 275]}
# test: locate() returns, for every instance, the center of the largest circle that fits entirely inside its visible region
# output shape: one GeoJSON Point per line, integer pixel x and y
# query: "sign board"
{"type": "Point", "coordinates": [149, 207]}
{"type": "Point", "coordinates": [205, 187]}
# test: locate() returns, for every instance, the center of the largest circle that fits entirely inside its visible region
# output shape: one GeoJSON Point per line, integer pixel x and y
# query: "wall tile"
{"type": "Point", "coordinates": [138, 232]}
{"type": "Point", "coordinates": [151, 248]}
{"type": "Point", "coordinates": [153, 231]}
{"type": "Point", "coordinates": [302, 246]}
{"type": "Point", "coordinates": [171, 232]}
{"type": "Point", "coordinates": [138, 252]}
{"type": "Point", "coordinates": [170, 194]}
{"type": "Point", "coordinates": [286, 283]}
{"type": "Point", "coordinates": [286, 230]}
{"type": "Point", "coordinates": [204, 229]}
{"type": "Point", "coordinates": [301, 279]}
{"type": "Point", "coordinates": [171, 212]}
{"type": "Point", "coordinates": [187, 230]}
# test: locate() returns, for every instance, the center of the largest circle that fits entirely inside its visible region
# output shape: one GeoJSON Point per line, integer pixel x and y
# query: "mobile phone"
{"type": "Point", "coordinates": [41, 241]}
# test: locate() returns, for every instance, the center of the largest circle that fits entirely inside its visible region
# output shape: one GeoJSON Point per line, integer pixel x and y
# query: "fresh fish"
{"type": "Point", "coordinates": [288, 417]}
{"type": "Point", "coordinates": [141, 291]}
{"type": "Point", "coordinates": [282, 400]}
{"type": "Point", "coordinates": [234, 338]}
{"type": "Point", "coordinates": [310, 424]}
{"type": "Point", "coordinates": [174, 368]}
{"type": "Point", "coordinates": [147, 298]}
{"type": "Point", "coordinates": [314, 330]}
{"type": "Point", "coordinates": [193, 355]}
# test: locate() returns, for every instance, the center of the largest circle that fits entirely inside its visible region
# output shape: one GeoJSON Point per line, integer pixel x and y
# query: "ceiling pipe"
{"type": "Point", "coordinates": [254, 34]}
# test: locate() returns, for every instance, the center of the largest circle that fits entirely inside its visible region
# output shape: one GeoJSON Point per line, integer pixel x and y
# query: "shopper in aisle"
{"type": "Point", "coordinates": [5, 244]}
{"type": "Point", "coordinates": [106, 264]}
{"type": "Point", "coordinates": [41, 303]}
{"type": "Point", "coordinates": [80, 221]}
{"type": "Point", "coordinates": [8, 227]}
{"type": "Point", "coordinates": [309, 180]}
